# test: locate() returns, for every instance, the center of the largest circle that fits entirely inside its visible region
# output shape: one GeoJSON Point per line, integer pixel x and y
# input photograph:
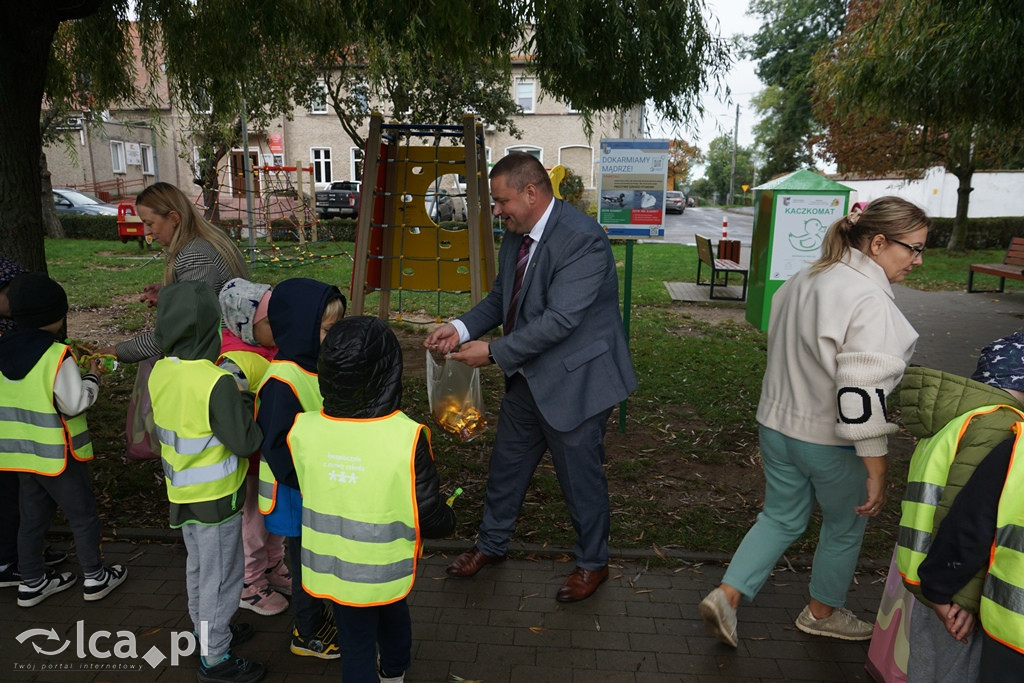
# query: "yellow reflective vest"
{"type": "Point", "coordinates": [926, 481]}
{"type": "Point", "coordinates": [1002, 600]}
{"type": "Point", "coordinates": [34, 436]}
{"type": "Point", "coordinates": [252, 365]}
{"type": "Point", "coordinates": [197, 466]}
{"type": "Point", "coordinates": [306, 387]}
{"type": "Point", "coordinates": [360, 526]}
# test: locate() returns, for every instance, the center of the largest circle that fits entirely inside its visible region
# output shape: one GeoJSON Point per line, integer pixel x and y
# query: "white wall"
{"type": "Point", "coordinates": [996, 193]}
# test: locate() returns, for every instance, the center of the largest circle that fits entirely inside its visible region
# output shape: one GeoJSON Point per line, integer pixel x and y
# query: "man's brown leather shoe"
{"type": "Point", "coordinates": [470, 562]}
{"type": "Point", "coordinates": [581, 584]}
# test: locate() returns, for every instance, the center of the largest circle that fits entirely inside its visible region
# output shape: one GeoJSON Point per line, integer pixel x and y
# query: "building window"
{"type": "Point", "coordinates": [197, 161]}
{"type": "Point", "coordinates": [147, 159]}
{"type": "Point", "coordinates": [318, 103]}
{"type": "Point", "coordinates": [535, 151]}
{"type": "Point", "coordinates": [202, 104]}
{"type": "Point", "coordinates": [321, 157]}
{"type": "Point", "coordinates": [355, 163]}
{"type": "Point", "coordinates": [117, 159]}
{"type": "Point", "coordinates": [524, 96]}
{"type": "Point", "coordinates": [580, 158]}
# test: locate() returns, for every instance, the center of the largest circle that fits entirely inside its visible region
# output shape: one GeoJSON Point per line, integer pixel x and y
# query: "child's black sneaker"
{"type": "Point", "coordinates": [240, 633]}
{"type": "Point", "coordinates": [9, 576]}
{"type": "Point", "coordinates": [400, 678]}
{"type": "Point", "coordinates": [53, 583]}
{"type": "Point", "coordinates": [234, 669]}
{"type": "Point", "coordinates": [52, 556]}
{"type": "Point", "coordinates": [113, 576]}
{"type": "Point", "coordinates": [323, 643]}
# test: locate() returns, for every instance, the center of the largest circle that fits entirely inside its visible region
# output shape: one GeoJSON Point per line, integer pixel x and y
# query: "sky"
{"type": "Point", "coordinates": [728, 18]}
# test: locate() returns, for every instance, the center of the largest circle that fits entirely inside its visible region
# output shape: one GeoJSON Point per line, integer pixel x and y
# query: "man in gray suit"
{"type": "Point", "coordinates": [566, 365]}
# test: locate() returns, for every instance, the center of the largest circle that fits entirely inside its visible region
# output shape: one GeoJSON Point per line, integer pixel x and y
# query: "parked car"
{"type": "Point", "coordinates": [340, 199]}
{"type": "Point", "coordinates": [68, 201]}
{"type": "Point", "coordinates": [690, 201]}
{"type": "Point", "coordinates": [439, 205]}
{"type": "Point", "coordinates": [675, 202]}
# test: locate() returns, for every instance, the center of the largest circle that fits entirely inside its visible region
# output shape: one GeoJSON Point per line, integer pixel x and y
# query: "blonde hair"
{"type": "Point", "coordinates": [886, 216]}
{"type": "Point", "coordinates": [163, 198]}
{"type": "Point", "coordinates": [335, 308]}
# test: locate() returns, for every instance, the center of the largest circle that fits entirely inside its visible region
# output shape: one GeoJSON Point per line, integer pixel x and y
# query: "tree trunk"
{"type": "Point", "coordinates": [51, 220]}
{"type": "Point", "coordinates": [958, 236]}
{"type": "Point", "coordinates": [961, 164]}
{"type": "Point", "coordinates": [25, 40]}
{"type": "Point", "coordinates": [26, 36]}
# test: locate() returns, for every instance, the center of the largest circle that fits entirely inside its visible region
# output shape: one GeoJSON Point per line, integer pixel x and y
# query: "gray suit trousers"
{"type": "Point", "coordinates": [522, 438]}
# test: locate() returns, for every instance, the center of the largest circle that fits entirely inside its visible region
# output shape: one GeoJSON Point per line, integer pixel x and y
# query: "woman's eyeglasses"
{"type": "Point", "coordinates": [918, 251]}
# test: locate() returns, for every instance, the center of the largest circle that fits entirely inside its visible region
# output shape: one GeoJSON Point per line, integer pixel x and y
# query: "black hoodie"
{"type": "Point", "coordinates": [360, 374]}
{"type": "Point", "coordinates": [295, 313]}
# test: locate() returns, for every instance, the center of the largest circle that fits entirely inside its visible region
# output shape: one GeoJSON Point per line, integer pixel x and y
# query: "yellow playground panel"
{"type": "Point", "coordinates": [399, 246]}
{"type": "Point", "coordinates": [427, 256]}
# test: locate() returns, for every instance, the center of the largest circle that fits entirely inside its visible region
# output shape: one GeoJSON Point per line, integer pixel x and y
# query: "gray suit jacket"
{"type": "Point", "coordinates": [568, 340]}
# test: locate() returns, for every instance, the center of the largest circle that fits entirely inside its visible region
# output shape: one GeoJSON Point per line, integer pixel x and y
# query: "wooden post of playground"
{"type": "Point", "coordinates": [484, 192]}
{"type": "Point", "coordinates": [387, 252]}
{"type": "Point", "coordinates": [302, 201]}
{"type": "Point", "coordinates": [473, 210]}
{"type": "Point", "coordinates": [371, 162]}
{"type": "Point", "coordinates": [310, 205]}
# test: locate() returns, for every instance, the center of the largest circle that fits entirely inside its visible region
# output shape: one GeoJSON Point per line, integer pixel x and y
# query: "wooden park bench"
{"type": "Point", "coordinates": [719, 267]}
{"type": "Point", "coordinates": [1012, 267]}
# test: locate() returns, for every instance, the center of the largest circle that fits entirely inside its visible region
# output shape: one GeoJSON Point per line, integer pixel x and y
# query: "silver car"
{"type": "Point", "coordinates": [675, 202]}
{"type": "Point", "coordinates": [68, 201]}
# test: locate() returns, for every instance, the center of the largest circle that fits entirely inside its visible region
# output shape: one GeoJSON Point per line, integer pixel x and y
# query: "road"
{"type": "Point", "coordinates": [680, 228]}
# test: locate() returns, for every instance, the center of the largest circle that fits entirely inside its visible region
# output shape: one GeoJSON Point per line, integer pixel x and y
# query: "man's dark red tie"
{"type": "Point", "coordinates": [521, 260]}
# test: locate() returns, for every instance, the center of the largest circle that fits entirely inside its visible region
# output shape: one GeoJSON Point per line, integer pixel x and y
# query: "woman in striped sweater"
{"type": "Point", "coordinates": [196, 251]}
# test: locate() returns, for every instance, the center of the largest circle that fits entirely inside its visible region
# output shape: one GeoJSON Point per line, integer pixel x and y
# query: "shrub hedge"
{"type": "Point", "coordinates": [90, 227]}
{"type": "Point", "coordinates": [983, 233]}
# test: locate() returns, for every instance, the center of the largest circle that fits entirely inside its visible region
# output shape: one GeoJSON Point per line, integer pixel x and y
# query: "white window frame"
{"type": "Point", "coordinates": [323, 165]}
{"type": "Point", "coordinates": [529, 149]}
{"type": "Point", "coordinates": [526, 90]}
{"type": "Point", "coordinates": [204, 107]}
{"type": "Point", "coordinates": [588, 182]}
{"type": "Point", "coordinates": [318, 106]}
{"type": "Point", "coordinates": [118, 163]}
{"type": "Point", "coordinates": [355, 156]}
{"type": "Point", "coordinates": [147, 159]}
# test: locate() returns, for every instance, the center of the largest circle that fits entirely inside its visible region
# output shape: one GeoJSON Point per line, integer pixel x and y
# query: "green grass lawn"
{"type": "Point", "coordinates": [690, 445]}
{"type": "Point", "coordinates": [94, 271]}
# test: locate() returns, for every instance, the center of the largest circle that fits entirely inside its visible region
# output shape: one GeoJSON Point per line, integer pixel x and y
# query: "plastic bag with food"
{"type": "Point", "coordinates": [456, 401]}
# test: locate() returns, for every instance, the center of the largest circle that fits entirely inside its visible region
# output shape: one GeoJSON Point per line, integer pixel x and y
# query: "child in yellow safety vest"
{"type": "Point", "coordinates": [983, 531]}
{"type": "Point", "coordinates": [300, 313]}
{"type": "Point", "coordinates": [370, 492]}
{"type": "Point", "coordinates": [207, 432]}
{"type": "Point", "coordinates": [43, 399]}
{"type": "Point", "coordinates": [960, 544]}
{"type": "Point", "coordinates": [246, 348]}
